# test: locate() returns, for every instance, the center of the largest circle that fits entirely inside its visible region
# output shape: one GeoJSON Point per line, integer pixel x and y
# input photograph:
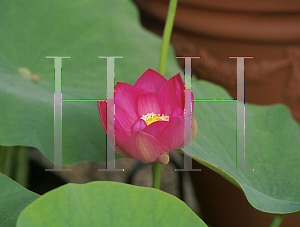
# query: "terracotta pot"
{"type": "Point", "coordinates": [268, 30]}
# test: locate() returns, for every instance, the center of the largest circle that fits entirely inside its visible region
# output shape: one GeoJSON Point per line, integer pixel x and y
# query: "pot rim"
{"type": "Point", "coordinates": [265, 6]}
{"type": "Point", "coordinates": [232, 25]}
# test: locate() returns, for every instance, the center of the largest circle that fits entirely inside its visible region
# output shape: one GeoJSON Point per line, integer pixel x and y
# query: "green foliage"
{"type": "Point", "coordinates": [272, 149]}
{"type": "Point", "coordinates": [84, 31]}
{"type": "Point", "coordinates": [107, 204]}
{"type": "Point", "coordinates": [13, 199]}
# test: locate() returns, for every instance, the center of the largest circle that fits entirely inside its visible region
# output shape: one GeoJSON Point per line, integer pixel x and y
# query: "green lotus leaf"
{"type": "Point", "coordinates": [13, 199]}
{"type": "Point", "coordinates": [82, 30]}
{"type": "Point", "coordinates": [272, 145]}
{"type": "Point", "coordinates": [107, 204]}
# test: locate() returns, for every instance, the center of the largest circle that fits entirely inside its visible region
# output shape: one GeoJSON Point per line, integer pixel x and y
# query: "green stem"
{"type": "Point", "coordinates": [156, 168]}
{"type": "Point", "coordinates": [9, 162]}
{"type": "Point", "coordinates": [22, 167]}
{"type": "Point", "coordinates": [167, 36]}
{"type": "Point", "coordinates": [156, 171]}
{"type": "Point", "coordinates": [2, 157]}
{"type": "Point", "coordinates": [14, 163]}
{"type": "Point", "coordinates": [277, 220]}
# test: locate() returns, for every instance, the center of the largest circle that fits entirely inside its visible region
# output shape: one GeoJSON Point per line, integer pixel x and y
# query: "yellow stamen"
{"type": "Point", "coordinates": [152, 117]}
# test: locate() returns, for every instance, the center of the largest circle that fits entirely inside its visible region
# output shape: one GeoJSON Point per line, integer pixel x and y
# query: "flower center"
{"type": "Point", "coordinates": [152, 117]}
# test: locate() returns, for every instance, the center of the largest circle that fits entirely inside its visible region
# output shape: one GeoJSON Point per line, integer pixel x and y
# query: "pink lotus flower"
{"type": "Point", "coordinates": [149, 118]}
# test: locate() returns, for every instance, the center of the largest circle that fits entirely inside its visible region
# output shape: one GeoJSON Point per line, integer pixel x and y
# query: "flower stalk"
{"type": "Point", "coordinates": [277, 220]}
{"type": "Point", "coordinates": [156, 171]}
{"type": "Point", "coordinates": [156, 167]}
{"type": "Point", "coordinates": [167, 36]}
{"type": "Point", "coordinates": [22, 167]}
{"type": "Point", "coordinates": [14, 163]}
{"type": "Point", "coordinates": [7, 160]}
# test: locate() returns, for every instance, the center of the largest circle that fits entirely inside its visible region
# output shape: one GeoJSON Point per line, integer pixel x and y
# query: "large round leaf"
{"type": "Point", "coordinates": [272, 149]}
{"type": "Point", "coordinates": [13, 199]}
{"type": "Point", "coordinates": [107, 204]}
{"type": "Point", "coordinates": [83, 30]}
